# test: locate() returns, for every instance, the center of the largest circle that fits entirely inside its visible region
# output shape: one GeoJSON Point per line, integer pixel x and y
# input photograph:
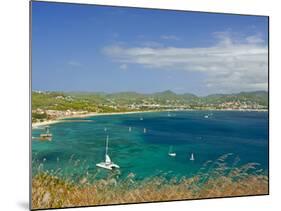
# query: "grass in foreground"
{"type": "Point", "coordinates": [214, 179]}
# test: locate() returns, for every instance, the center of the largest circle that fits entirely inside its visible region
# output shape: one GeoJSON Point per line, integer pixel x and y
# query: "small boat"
{"type": "Point", "coordinates": [192, 157]}
{"type": "Point", "coordinates": [130, 129]}
{"type": "Point", "coordinates": [47, 136]}
{"type": "Point", "coordinates": [141, 118]}
{"type": "Point", "coordinates": [208, 115]}
{"type": "Point", "coordinates": [107, 164]}
{"type": "Point", "coordinates": [171, 153]}
{"type": "Point", "coordinates": [144, 130]}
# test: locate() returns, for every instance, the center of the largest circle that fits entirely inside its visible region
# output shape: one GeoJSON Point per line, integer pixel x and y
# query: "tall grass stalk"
{"type": "Point", "coordinates": [53, 189]}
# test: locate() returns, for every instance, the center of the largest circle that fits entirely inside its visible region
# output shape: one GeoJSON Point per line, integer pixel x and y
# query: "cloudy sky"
{"type": "Point", "coordinates": [94, 48]}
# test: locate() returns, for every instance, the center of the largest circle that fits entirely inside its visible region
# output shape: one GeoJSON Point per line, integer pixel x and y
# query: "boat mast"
{"type": "Point", "coordinates": [106, 147]}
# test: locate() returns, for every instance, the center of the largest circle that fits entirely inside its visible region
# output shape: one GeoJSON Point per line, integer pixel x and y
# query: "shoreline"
{"type": "Point", "coordinates": [65, 119]}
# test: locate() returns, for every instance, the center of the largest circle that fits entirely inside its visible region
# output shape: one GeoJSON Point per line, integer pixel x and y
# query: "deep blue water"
{"type": "Point", "coordinates": [245, 134]}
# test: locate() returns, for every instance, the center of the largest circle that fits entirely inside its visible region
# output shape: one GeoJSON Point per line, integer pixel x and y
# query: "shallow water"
{"type": "Point", "coordinates": [245, 134]}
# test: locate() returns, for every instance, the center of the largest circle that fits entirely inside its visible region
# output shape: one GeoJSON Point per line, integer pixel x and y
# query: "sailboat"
{"type": "Point", "coordinates": [107, 164]}
{"type": "Point", "coordinates": [144, 130]}
{"type": "Point", "coordinates": [171, 153]}
{"type": "Point", "coordinates": [192, 157]}
{"type": "Point", "coordinates": [208, 115]}
{"type": "Point", "coordinates": [130, 129]}
{"type": "Point", "coordinates": [47, 136]}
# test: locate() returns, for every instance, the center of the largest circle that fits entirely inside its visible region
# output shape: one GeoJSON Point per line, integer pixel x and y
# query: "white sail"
{"type": "Point", "coordinates": [192, 157]}
{"type": "Point", "coordinates": [47, 130]}
{"type": "Point", "coordinates": [107, 159]}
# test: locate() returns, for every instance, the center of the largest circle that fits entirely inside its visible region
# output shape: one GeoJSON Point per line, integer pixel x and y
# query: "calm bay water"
{"type": "Point", "coordinates": [245, 134]}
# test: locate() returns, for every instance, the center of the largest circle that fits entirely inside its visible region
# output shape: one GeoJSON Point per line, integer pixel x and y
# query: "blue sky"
{"type": "Point", "coordinates": [112, 49]}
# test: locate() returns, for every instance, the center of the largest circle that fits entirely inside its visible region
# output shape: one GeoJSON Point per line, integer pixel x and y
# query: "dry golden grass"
{"type": "Point", "coordinates": [216, 180]}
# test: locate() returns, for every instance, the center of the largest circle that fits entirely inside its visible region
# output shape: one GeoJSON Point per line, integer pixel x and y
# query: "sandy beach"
{"type": "Point", "coordinates": [65, 119]}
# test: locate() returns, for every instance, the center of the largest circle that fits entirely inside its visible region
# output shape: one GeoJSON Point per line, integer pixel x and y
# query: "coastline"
{"type": "Point", "coordinates": [65, 119]}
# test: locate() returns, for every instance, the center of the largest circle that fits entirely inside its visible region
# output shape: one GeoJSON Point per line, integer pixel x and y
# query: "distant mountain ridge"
{"type": "Point", "coordinates": [167, 96]}
{"type": "Point", "coordinates": [257, 96]}
{"type": "Point", "coordinates": [163, 93]}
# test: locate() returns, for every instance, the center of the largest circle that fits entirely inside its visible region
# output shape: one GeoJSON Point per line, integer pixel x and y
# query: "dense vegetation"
{"type": "Point", "coordinates": [102, 102]}
{"type": "Point", "coordinates": [39, 116]}
{"type": "Point", "coordinates": [259, 97]}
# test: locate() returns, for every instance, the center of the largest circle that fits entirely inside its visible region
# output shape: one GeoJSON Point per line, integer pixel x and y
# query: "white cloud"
{"type": "Point", "coordinates": [255, 39]}
{"type": "Point", "coordinates": [228, 66]}
{"type": "Point", "coordinates": [123, 67]}
{"type": "Point", "coordinates": [224, 38]}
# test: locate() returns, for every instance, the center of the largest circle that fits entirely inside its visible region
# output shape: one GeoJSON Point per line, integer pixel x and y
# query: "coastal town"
{"type": "Point", "coordinates": [49, 106]}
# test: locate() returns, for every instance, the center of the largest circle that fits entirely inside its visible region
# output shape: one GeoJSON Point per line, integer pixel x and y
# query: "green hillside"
{"type": "Point", "coordinates": [103, 102]}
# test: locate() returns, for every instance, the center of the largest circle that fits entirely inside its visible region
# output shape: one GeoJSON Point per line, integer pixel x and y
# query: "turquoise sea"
{"type": "Point", "coordinates": [77, 146]}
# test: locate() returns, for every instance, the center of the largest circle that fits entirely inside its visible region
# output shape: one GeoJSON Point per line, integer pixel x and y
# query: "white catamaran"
{"type": "Point", "coordinates": [107, 164]}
